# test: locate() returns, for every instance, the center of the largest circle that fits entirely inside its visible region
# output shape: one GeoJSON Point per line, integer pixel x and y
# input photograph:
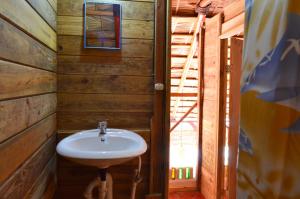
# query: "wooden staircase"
{"type": "Point", "coordinates": [184, 70]}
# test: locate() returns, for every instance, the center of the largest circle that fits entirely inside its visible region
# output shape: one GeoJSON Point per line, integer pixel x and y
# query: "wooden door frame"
{"type": "Point", "coordinates": [200, 99]}
{"type": "Point", "coordinates": [234, 114]}
{"type": "Point", "coordinates": [160, 123]}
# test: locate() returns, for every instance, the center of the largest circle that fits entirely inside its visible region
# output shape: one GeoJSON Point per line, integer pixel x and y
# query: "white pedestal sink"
{"type": "Point", "coordinates": [86, 148]}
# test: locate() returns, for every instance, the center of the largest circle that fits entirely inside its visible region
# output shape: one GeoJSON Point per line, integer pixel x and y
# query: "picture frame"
{"type": "Point", "coordinates": [102, 25]}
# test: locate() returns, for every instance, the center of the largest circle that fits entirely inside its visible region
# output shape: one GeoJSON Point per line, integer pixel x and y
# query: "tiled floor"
{"type": "Point", "coordinates": [185, 195]}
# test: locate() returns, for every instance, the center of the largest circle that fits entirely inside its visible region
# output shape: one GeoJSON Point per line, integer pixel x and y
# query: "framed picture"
{"type": "Point", "coordinates": [102, 25]}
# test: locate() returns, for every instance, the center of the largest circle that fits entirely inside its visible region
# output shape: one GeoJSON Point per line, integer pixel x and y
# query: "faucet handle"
{"type": "Point", "coordinates": [102, 124]}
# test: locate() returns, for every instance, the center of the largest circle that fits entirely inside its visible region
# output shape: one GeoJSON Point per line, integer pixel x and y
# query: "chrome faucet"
{"type": "Point", "coordinates": [102, 130]}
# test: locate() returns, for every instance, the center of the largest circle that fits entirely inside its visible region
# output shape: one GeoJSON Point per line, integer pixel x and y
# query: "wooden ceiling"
{"type": "Point", "coordinates": [184, 8]}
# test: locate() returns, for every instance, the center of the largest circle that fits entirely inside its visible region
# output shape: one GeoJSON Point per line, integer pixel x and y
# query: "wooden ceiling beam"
{"type": "Point", "coordinates": [184, 94]}
{"type": "Point", "coordinates": [182, 56]}
{"type": "Point", "coordinates": [181, 39]}
{"type": "Point", "coordinates": [181, 19]}
{"type": "Point", "coordinates": [183, 14]}
{"type": "Point", "coordinates": [181, 60]}
{"type": "Point", "coordinates": [177, 45]}
{"type": "Point", "coordinates": [234, 9]}
{"type": "Point", "coordinates": [234, 26]}
{"type": "Point", "coordinates": [203, 3]}
{"type": "Point", "coordinates": [182, 35]}
{"type": "Point", "coordinates": [177, 5]}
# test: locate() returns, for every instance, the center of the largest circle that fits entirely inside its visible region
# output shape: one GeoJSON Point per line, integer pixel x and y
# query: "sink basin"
{"type": "Point", "coordinates": [86, 147]}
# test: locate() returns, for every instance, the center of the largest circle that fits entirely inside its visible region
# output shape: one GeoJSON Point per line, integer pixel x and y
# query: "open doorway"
{"type": "Point", "coordinates": [205, 37]}
{"type": "Point", "coordinates": [184, 132]}
{"type": "Point", "coordinates": [186, 24]}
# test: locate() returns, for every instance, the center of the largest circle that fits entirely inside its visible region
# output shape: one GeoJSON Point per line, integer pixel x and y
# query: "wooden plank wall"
{"type": "Point", "coordinates": [211, 136]}
{"type": "Point", "coordinates": [27, 98]}
{"type": "Point", "coordinates": [95, 85]}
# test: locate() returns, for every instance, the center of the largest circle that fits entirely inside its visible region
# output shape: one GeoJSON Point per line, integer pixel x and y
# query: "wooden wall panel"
{"type": "Point", "coordinates": [84, 65]}
{"type": "Point", "coordinates": [73, 45]}
{"type": "Point", "coordinates": [105, 84]}
{"type": "Point", "coordinates": [88, 120]}
{"type": "Point", "coordinates": [17, 149]}
{"type": "Point", "coordinates": [19, 47]}
{"type": "Point", "coordinates": [130, 9]}
{"type": "Point", "coordinates": [18, 80]}
{"type": "Point", "coordinates": [44, 8]}
{"type": "Point", "coordinates": [236, 55]}
{"type": "Point", "coordinates": [72, 25]}
{"type": "Point", "coordinates": [21, 113]}
{"type": "Point", "coordinates": [105, 103]}
{"type": "Point", "coordinates": [23, 15]}
{"type": "Point", "coordinates": [211, 137]}
{"type": "Point", "coordinates": [27, 99]}
{"type": "Point", "coordinates": [23, 179]}
{"type": "Point", "coordinates": [233, 9]}
{"type": "Point", "coordinates": [51, 188]}
{"type": "Point", "coordinates": [44, 180]}
{"type": "Point", "coordinates": [95, 85]}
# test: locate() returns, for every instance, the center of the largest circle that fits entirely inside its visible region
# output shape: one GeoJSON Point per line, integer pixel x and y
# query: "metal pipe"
{"type": "Point", "coordinates": [137, 178]}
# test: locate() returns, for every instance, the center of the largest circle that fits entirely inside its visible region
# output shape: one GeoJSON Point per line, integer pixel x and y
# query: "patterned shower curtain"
{"type": "Point", "coordinates": [269, 145]}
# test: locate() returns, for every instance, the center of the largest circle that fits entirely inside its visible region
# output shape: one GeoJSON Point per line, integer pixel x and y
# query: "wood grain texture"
{"type": "Point", "coordinates": [236, 55]}
{"type": "Point", "coordinates": [44, 9]}
{"type": "Point", "coordinates": [17, 80]}
{"type": "Point", "coordinates": [105, 84]}
{"type": "Point", "coordinates": [104, 103]}
{"type": "Point", "coordinates": [16, 150]}
{"type": "Point", "coordinates": [211, 139]}
{"type": "Point", "coordinates": [27, 99]}
{"type": "Point", "coordinates": [86, 65]}
{"type": "Point", "coordinates": [233, 9]}
{"type": "Point", "coordinates": [72, 25]}
{"type": "Point", "coordinates": [73, 45]}
{"type": "Point", "coordinates": [18, 114]}
{"type": "Point", "coordinates": [23, 179]}
{"type": "Point", "coordinates": [44, 180]}
{"type": "Point", "coordinates": [130, 9]}
{"type": "Point", "coordinates": [221, 168]}
{"type": "Point", "coordinates": [160, 123]}
{"type": "Point", "coordinates": [200, 98]}
{"type": "Point", "coordinates": [18, 47]}
{"type": "Point", "coordinates": [154, 196]}
{"type": "Point", "coordinates": [236, 23]}
{"type": "Point", "coordinates": [51, 189]}
{"type": "Point", "coordinates": [28, 20]}
{"type": "Point", "coordinates": [89, 120]}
